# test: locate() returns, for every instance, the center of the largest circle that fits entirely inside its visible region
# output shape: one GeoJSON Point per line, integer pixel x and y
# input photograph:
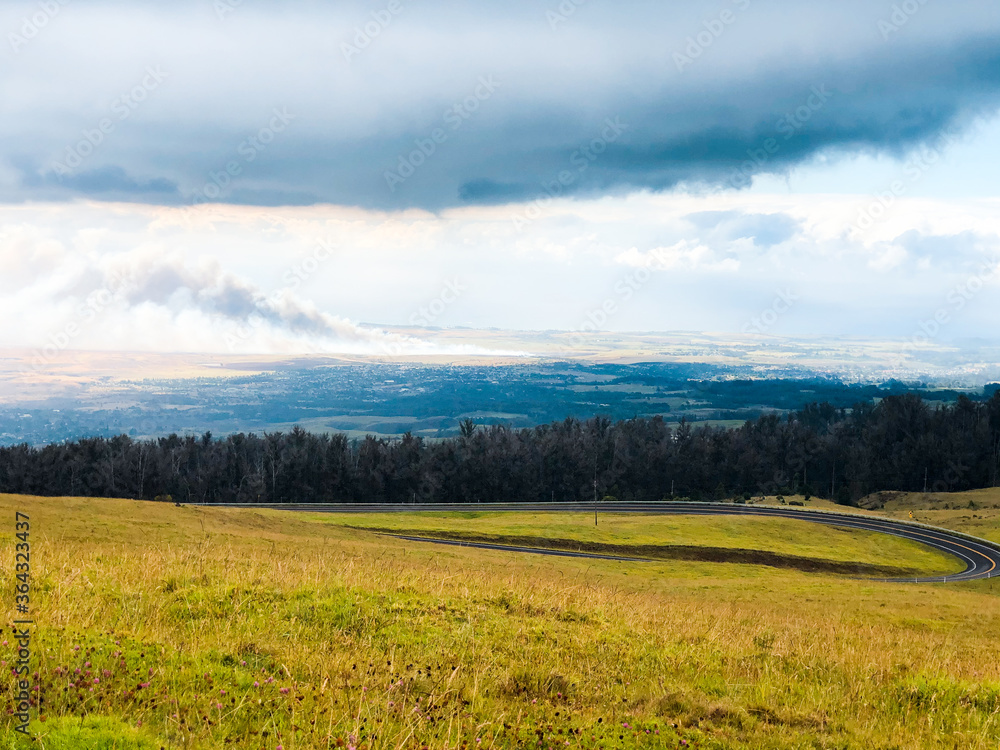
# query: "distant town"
{"type": "Point", "coordinates": [432, 400]}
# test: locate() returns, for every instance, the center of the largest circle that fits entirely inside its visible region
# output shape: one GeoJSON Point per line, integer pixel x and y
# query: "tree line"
{"type": "Point", "coordinates": [900, 443]}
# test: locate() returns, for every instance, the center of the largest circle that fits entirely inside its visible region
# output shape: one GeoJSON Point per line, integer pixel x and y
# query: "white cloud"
{"type": "Point", "coordinates": [888, 258]}
{"type": "Point", "coordinates": [681, 256]}
{"type": "Point", "coordinates": [221, 278]}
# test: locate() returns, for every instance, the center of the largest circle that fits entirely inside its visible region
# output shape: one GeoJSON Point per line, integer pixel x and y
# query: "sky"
{"type": "Point", "coordinates": [239, 176]}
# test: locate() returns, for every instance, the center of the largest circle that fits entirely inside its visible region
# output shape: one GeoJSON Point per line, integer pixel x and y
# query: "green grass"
{"type": "Point", "coordinates": [90, 732]}
{"type": "Point", "coordinates": [789, 543]}
{"type": "Point", "coordinates": [976, 512]}
{"type": "Point", "coordinates": [379, 643]}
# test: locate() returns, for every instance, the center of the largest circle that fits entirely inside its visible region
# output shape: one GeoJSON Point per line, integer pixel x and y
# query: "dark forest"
{"type": "Point", "coordinates": [900, 443]}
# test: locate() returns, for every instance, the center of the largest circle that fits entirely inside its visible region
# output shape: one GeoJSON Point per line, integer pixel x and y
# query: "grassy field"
{"type": "Point", "coordinates": [158, 626]}
{"type": "Point", "coordinates": [976, 513]}
{"type": "Point", "coordinates": [772, 542]}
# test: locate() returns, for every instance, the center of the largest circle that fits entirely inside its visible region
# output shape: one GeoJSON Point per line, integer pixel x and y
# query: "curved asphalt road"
{"type": "Point", "coordinates": [981, 558]}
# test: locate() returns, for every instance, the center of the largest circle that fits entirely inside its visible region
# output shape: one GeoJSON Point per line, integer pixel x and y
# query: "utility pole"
{"type": "Point", "coordinates": [925, 480]}
{"type": "Point", "coordinates": [595, 500]}
{"type": "Point", "coordinates": [671, 489]}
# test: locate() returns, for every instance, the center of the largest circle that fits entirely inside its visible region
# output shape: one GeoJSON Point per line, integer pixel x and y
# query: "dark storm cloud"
{"type": "Point", "coordinates": [113, 181]}
{"type": "Point", "coordinates": [438, 104]}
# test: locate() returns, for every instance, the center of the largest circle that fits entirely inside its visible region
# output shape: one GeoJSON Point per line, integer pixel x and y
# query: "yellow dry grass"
{"type": "Point", "coordinates": [320, 634]}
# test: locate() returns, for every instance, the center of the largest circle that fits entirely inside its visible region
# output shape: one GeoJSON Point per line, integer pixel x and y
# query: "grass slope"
{"type": "Point", "coordinates": [210, 627]}
{"type": "Point", "coordinates": [760, 541]}
{"type": "Point", "coordinates": [976, 512]}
